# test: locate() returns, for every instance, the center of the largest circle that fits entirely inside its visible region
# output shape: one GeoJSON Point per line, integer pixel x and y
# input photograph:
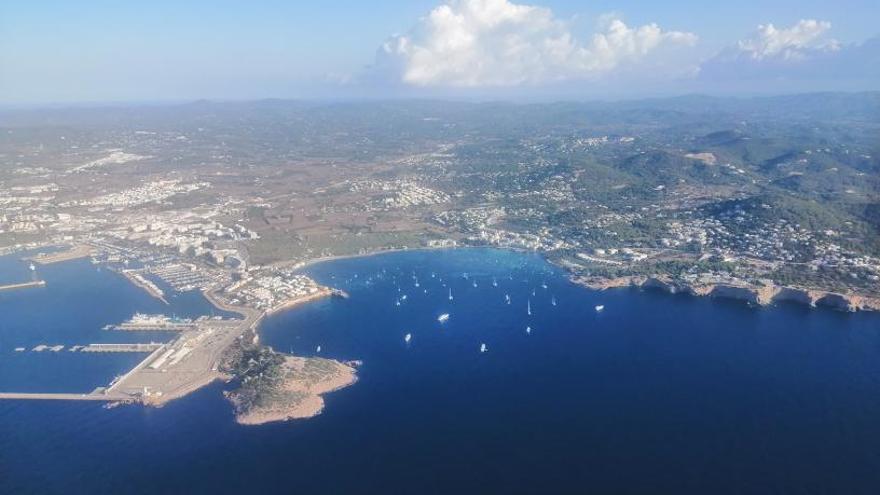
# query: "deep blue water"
{"type": "Point", "coordinates": [657, 394]}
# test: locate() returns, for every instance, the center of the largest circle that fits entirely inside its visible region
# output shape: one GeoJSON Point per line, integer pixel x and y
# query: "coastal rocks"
{"type": "Point", "coordinates": [760, 295]}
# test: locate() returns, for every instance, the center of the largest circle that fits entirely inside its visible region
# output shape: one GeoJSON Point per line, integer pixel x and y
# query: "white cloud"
{"type": "Point", "coordinates": [473, 43]}
{"type": "Point", "coordinates": [793, 43]}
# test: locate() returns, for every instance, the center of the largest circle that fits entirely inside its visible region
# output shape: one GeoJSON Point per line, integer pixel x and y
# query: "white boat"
{"type": "Point", "coordinates": [407, 338]}
{"type": "Point", "coordinates": [450, 293]}
{"type": "Point", "coordinates": [483, 348]}
{"type": "Point", "coordinates": [318, 350]}
{"type": "Point", "coordinates": [398, 302]}
{"type": "Point", "coordinates": [529, 330]}
{"type": "Point", "coordinates": [553, 300]}
{"type": "Point", "coordinates": [529, 307]}
{"type": "Point", "coordinates": [600, 307]}
{"type": "Point", "coordinates": [543, 285]}
{"type": "Point", "coordinates": [494, 282]}
{"type": "Point", "coordinates": [507, 298]}
{"type": "Point", "coordinates": [403, 297]}
{"type": "Point", "coordinates": [475, 283]}
{"type": "Point", "coordinates": [443, 318]}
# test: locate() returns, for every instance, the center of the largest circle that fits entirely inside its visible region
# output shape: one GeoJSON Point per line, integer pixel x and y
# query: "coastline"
{"type": "Point", "coordinates": [759, 295]}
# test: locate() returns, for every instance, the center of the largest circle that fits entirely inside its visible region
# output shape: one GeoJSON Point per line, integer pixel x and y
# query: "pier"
{"type": "Point", "coordinates": [65, 396]}
{"type": "Point", "coordinates": [121, 347]}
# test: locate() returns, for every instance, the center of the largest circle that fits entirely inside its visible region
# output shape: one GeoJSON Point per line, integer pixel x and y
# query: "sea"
{"type": "Point", "coordinates": [525, 388]}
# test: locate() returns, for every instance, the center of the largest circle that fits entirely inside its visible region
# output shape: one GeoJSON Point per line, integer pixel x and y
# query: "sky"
{"type": "Point", "coordinates": [108, 51]}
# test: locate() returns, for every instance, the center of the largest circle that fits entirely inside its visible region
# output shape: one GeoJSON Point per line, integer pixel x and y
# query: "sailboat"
{"type": "Point", "coordinates": [529, 307]}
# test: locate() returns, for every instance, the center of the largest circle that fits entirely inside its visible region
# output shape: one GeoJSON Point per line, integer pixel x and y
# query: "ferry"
{"type": "Point", "coordinates": [443, 318]}
{"type": "Point", "coordinates": [600, 307]}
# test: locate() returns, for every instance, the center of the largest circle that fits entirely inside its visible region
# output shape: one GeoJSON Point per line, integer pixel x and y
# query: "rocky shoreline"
{"type": "Point", "coordinates": [761, 295]}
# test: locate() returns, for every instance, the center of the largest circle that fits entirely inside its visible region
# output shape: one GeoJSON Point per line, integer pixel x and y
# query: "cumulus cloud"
{"type": "Point", "coordinates": [476, 43]}
{"type": "Point", "coordinates": [792, 43]}
{"type": "Point", "coordinates": [800, 57]}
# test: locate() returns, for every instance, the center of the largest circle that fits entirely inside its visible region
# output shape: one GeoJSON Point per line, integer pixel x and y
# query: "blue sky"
{"type": "Point", "coordinates": [158, 50]}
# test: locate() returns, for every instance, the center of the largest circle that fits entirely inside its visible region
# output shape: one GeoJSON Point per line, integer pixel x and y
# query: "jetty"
{"type": "Point", "coordinates": [23, 285]}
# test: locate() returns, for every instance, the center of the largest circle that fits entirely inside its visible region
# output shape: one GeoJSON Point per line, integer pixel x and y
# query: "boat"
{"type": "Point", "coordinates": [475, 283]}
{"type": "Point", "coordinates": [494, 282]}
{"type": "Point", "coordinates": [403, 297]}
{"type": "Point", "coordinates": [507, 298]}
{"type": "Point", "coordinates": [483, 348]}
{"type": "Point", "coordinates": [443, 318]}
{"type": "Point", "coordinates": [398, 302]}
{"type": "Point", "coordinates": [600, 307]}
{"type": "Point", "coordinates": [318, 350]}
{"type": "Point", "coordinates": [543, 285]}
{"type": "Point", "coordinates": [529, 330]}
{"type": "Point", "coordinates": [553, 300]}
{"type": "Point", "coordinates": [407, 338]}
{"type": "Point", "coordinates": [529, 307]}
{"type": "Point", "coordinates": [450, 293]}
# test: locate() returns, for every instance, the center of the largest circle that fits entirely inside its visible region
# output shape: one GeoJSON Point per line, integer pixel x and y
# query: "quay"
{"type": "Point", "coordinates": [76, 252]}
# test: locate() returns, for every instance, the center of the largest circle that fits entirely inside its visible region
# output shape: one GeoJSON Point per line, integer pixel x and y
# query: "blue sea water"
{"type": "Point", "coordinates": [655, 394]}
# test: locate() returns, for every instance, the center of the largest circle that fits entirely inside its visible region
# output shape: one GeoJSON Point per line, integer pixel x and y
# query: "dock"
{"type": "Point", "coordinates": [23, 285]}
